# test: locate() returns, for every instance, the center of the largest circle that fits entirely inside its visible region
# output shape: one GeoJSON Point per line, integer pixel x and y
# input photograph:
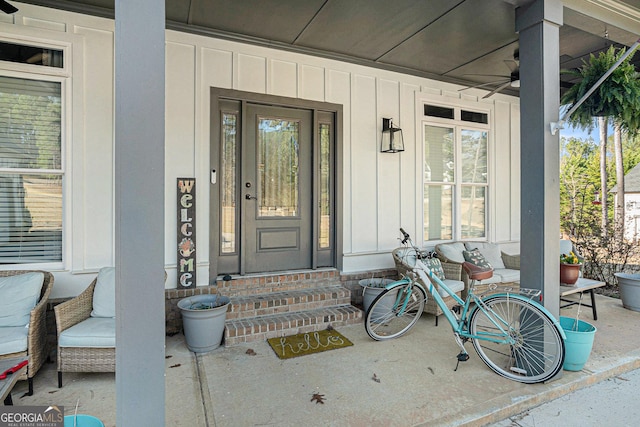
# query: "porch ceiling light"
{"type": "Point", "coordinates": [7, 8]}
{"type": "Point", "coordinates": [392, 140]}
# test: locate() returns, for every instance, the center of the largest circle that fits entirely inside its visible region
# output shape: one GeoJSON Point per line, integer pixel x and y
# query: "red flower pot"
{"type": "Point", "coordinates": [569, 273]}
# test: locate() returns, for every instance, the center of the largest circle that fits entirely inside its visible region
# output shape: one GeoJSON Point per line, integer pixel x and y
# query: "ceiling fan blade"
{"type": "Point", "coordinates": [498, 82]}
{"type": "Point", "coordinates": [7, 8]}
{"type": "Point", "coordinates": [513, 65]}
{"type": "Point", "coordinates": [498, 89]}
{"type": "Point", "coordinates": [502, 76]}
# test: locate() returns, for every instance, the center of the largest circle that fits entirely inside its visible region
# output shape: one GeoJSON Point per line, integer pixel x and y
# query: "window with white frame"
{"type": "Point", "coordinates": [455, 181]}
{"type": "Point", "coordinates": [31, 168]}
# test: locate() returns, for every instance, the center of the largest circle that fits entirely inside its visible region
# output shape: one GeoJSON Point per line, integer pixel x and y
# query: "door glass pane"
{"type": "Point", "coordinates": [474, 156]}
{"type": "Point", "coordinates": [472, 213]}
{"type": "Point", "coordinates": [438, 212]}
{"type": "Point", "coordinates": [277, 162]}
{"type": "Point", "coordinates": [228, 182]}
{"type": "Point", "coordinates": [325, 189]}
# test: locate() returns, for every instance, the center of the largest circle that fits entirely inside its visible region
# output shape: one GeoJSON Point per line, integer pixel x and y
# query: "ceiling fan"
{"type": "Point", "coordinates": [512, 80]}
{"type": "Point", "coordinates": [7, 8]}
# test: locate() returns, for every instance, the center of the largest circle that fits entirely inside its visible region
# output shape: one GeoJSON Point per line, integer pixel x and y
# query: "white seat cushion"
{"type": "Point", "coordinates": [452, 251]}
{"type": "Point", "coordinates": [507, 275]}
{"type": "Point", "coordinates": [92, 332]}
{"type": "Point", "coordinates": [104, 294]}
{"type": "Point", "coordinates": [18, 295]}
{"type": "Point", "coordinates": [13, 339]}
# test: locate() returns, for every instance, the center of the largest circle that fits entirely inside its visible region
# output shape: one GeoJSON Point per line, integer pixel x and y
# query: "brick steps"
{"type": "Point", "coordinates": [277, 325]}
{"type": "Point", "coordinates": [262, 316]}
{"type": "Point", "coordinates": [287, 301]}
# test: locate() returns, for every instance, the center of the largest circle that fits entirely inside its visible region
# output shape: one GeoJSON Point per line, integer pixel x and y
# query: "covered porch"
{"type": "Point", "coordinates": [424, 53]}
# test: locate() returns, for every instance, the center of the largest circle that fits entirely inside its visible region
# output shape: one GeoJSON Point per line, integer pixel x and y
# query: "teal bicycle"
{"type": "Point", "coordinates": [514, 335]}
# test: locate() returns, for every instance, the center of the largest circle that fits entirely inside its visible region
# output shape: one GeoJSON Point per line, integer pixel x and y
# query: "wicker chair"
{"type": "Point", "coordinates": [37, 337]}
{"type": "Point", "coordinates": [81, 359]}
{"type": "Point", "coordinates": [451, 271]}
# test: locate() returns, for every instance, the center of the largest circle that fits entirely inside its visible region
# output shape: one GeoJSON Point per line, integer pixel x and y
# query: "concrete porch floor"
{"type": "Point", "coordinates": [418, 385]}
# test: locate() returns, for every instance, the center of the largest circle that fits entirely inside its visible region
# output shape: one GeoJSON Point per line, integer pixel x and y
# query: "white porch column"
{"type": "Point", "coordinates": [538, 25]}
{"type": "Point", "coordinates": [139, 212]}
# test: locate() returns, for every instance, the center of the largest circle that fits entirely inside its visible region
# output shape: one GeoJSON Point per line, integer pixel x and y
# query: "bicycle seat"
{"type": "Point", "coordinates": [477, 273]}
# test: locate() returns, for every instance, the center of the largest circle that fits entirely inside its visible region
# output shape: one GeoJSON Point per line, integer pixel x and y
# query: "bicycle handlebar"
{"type": "Point", "coordinates": [405, 235]}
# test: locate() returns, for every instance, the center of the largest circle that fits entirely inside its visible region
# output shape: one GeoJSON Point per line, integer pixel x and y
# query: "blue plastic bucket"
{"type": "Point", "coordinates": [82, 421]}
{"type": "Point", "coordinates": [578, 343]}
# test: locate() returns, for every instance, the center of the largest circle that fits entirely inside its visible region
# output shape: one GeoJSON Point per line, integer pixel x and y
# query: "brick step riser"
{"type": "Point", "coordinates": [300, 324]}
{"type": "Point", "coordinates": [248, 310]}
{"type": "Point", "coordinates": [277, 283]}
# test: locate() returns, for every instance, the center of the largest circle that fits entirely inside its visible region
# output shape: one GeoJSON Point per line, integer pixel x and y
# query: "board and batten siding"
{"type": "Point", "coordinates": [380, 191]}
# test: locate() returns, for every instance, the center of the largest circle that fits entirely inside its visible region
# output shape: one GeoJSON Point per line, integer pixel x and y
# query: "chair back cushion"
{"type": "Point", "coordinates": [104, 294]}
{"type": "Point", "coordinates": [13, 339]}
{"type": "Point", "coordinates": [490, 251]}
{"type": "Point", "coordinates": [451, 251]}
{"type": "Point", "coordinates": [18, 295]}
{"type": "Point", "coordinates": [565, 247]}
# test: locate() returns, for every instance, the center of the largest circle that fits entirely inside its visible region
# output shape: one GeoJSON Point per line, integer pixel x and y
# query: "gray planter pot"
{"type": "Point", "coordinates": [629, 285]}
{"type": "Point", "coordinates": [371, 288]}
{"type": "Point", "coordinates": [203, 318]}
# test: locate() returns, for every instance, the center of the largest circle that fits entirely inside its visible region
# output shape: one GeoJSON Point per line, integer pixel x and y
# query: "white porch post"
{"type": "Point", "coordinates": [139, 212]}
{"type": "Point", "coordinates": [538, 25]}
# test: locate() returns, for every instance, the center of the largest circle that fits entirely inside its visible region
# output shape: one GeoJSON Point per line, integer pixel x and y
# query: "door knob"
{"type": "Point", "coordinates": [249, 197]}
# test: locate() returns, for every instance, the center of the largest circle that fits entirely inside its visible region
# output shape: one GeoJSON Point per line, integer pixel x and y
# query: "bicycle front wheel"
{"type": "Point", "coordinates": [536, 351]}
{"type": "Point", "coordinates": [394, 312]}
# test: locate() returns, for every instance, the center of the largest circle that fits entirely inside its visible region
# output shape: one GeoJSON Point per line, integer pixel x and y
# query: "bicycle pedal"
{"type": "Point", "coordinates": [463, 357]}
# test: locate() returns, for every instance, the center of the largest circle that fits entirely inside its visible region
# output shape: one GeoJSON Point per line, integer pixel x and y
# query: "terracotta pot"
{"type": "Point", "coordinates": [569, 273]}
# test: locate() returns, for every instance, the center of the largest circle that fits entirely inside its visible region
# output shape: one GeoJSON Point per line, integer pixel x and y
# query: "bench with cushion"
{"type": "Point", "coordinates": [405, 260]}
{"type": "Point", "coordinates": [506, 268]}
{"type": "Point", "coordinates": [86, 327]}
{"type": "Point", "coordinates": [23, 306]}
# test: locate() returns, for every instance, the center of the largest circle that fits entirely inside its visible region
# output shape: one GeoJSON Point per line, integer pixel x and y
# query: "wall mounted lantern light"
{"type": "Point", "coordinates": [392, 140]}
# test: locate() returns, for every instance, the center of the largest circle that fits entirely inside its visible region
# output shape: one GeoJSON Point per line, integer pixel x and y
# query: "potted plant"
{"type": "Point", "coordinates": [569, 268]}
{"type": "Point", "coordinates": [203, 318]}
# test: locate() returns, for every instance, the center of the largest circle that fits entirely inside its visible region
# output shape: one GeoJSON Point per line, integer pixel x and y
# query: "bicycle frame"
{"type": "Point", "coordinates": [459, 324]}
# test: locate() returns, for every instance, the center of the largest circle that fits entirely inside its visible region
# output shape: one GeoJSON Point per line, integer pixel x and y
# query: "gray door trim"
{"type": "Point", "coordinates": [218, 94]}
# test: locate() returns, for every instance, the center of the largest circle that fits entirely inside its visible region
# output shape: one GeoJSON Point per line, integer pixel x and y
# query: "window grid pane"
{"type": "Point", "coordinates": [473, 210]}
{"type": "Point", "coordinates": [30, 218]}
{"type": "Point", "coordinates": [30, 119]}
{"type": "Point", "coordinates": [438, 212]}
{"type": "Point", "coordinates": [474, 156]}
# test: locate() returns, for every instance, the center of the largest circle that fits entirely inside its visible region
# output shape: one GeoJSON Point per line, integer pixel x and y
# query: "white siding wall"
{"type": "Point", "coordinates": [381, 191]}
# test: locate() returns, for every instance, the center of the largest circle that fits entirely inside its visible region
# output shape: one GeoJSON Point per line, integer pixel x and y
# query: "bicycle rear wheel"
{"type": "Point", "coordinates": [537, 353]}
{"type": "Point", "coordinates": [388, 317]}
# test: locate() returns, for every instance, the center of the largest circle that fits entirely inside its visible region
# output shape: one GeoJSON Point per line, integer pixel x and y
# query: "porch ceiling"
{"type": "Point", "coordinates": [460, 41]}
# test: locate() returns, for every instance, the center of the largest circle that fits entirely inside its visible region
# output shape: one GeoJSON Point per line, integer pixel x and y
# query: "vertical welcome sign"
{"type": "Point", "coordinates": [186, 233]}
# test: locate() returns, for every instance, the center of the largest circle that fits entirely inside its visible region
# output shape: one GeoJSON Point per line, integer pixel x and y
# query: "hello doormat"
{"type": "Point", "coordinates": [308, 343]}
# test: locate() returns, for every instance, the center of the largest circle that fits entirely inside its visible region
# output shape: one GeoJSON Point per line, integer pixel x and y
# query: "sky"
{"type": "Point", "coordinates": [569, 132]}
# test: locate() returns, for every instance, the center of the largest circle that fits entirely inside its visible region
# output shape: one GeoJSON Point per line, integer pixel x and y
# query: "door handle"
{"type": "Point", "coordinates": [249, 197]}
